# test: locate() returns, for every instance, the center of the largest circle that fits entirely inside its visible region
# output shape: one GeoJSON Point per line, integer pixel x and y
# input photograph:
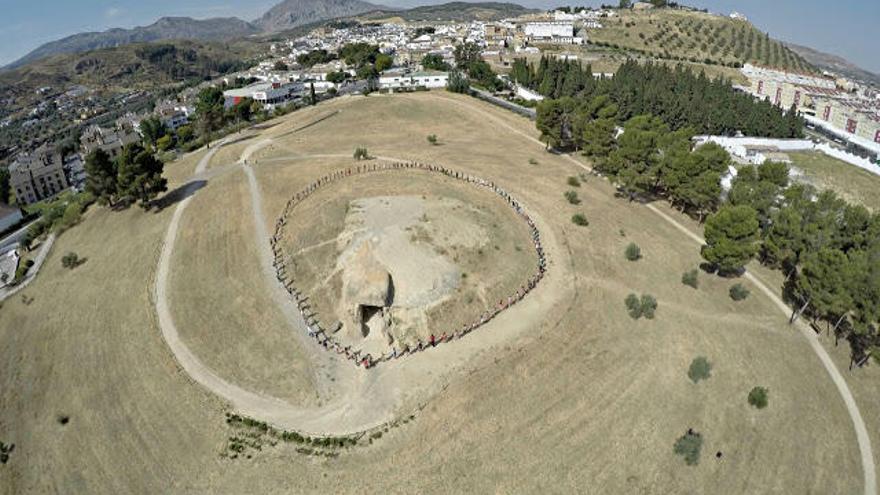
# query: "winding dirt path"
{"type": "Point", "coordinates": [354, 399]}
{"type": "Point", "coordinates": [864, 441]}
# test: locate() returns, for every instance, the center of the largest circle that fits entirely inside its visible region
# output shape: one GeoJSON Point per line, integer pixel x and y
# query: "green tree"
{"type": "Point", "coordinates": [689, 445]}
{"type": "Point", "coordinates": [700, 369]}
{"type": "Point", "coordinates": [633, 252]}
{"type": "Point", "coordinates": [4, 186]}
{"type": "Point", "coordinates": [337, 77]}
{"type": "Point", "coordinates": [101, 177]}
{"type": "Point", "coordinates": [165, 143]}
{"type": "Point", "coordinates": [824, 282]}
{"type": "Point", "coordinates": [140, 175]}
{"type": "Point", "coordinates": [384, 62]}
{"type": "Point", "coordinates": [434, 61]}
{"type": "Point", "coordinates": [731, 236]}
{"type": "Point", "coordinates": [598, 138]}
{"type": "Point", "coordinates": [458, 83]}
{"type": "Point", "coordinates": [152, 129]}
{"type": "Point", "coordinates": [690, 278]}
{"type": "Point", "coordinates": [759, 397]}
{"type": "Point", "coordinates": [209, 111]}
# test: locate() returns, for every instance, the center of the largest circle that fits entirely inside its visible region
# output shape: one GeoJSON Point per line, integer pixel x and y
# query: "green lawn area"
{"type": "Point", "coordinates": [851, 182]}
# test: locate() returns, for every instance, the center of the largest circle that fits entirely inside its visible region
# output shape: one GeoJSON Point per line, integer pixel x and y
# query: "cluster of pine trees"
{"type": "Point", "coordinates": [135, 175]}
{"type": "Point", "coordinates": [828, 249]}
{"type": "Point", "coordinates": [677, 96]}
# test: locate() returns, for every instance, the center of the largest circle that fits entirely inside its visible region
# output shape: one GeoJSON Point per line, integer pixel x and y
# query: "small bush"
{"type": "Point", "coordinates": [759, 397]}
{"type": "Point", "coordinates": [572, 197]}
{"type": "Point", "coordinates": [361, 153]}
{"type": "Point", "coordinates": [633, 306]}
{"type": "Point", "coordinates": [648, 306]}
{"type": "Point", "coordinates": [574, 182]}
{"type": "Point", "coordinates": [689, 446]}
{"type": "Point", "coordinates": [532, 161]}
{"type": "Point", "coordinates": [432, 138]}
{"type": "Point", "coordinates": [70, 261]}
{"type": "Point", "coordinates": [738, 292]}
{"type": "Point", "coordinates": [690, 278]}
{"type": "Point", "coordinates": [633, 252]}
{"type": "Point", "coordinates": [700, 369]}
{"type": "Point", "coordinates": [580, 219]}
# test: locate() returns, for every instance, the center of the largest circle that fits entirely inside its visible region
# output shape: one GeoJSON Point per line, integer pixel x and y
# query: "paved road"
{"type": "Point", "coordinates": [15, 237]}
{"type": "Point", "coordinates": [43, 252]}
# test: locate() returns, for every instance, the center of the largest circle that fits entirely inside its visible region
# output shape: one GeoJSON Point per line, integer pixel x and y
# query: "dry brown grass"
{"type": "Point", "coordinates": [850, 182]}
{"type": "Point", "coordinates": [592, 401]}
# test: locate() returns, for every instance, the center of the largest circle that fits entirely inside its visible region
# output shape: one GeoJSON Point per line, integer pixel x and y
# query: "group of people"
{"type": "Point", "coordinates": [367, 360]}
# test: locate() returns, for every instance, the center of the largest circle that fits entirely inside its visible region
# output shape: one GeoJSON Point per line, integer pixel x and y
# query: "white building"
{"type": "Point", "coordinates": [397, 79]}
{"type": "Point", "coordinates": [527, 94]}
{"type": "Point", "coordinates": [268, 94]}
{"type": "Point", "coordinates": [549, 29]}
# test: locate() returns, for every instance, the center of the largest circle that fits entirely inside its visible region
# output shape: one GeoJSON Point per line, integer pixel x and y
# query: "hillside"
{"type": "Point", "coordinates": [166, 28]}
{"type": "Point", "coordinates": [698, 37]}
{"type": "Point", "coordinates": [293, 13]}
{"type": "Point", "coordinates": [834, 63]}
{"type": "Point", "coordinates": [456, 11]}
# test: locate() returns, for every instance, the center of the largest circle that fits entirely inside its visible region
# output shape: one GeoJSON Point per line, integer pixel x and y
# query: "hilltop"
{"type": "Point", "coordinates": [293, 13]}
{"type": "Point", "coordinates": [456, 11]}
{"type": "Point", "coordinates": [697, 37]}
{"type": "Point", "coordinates": [834, 63]}
{"type": "Point", "coordinates": [166, 28]}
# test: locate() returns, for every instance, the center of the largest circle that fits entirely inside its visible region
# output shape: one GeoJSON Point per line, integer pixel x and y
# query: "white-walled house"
{"type": "Point", "coordinates": [398, 79]}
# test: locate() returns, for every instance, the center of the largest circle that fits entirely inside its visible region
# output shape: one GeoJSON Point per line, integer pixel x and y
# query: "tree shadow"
{"type": "Point", "coordinates": [179, 194]}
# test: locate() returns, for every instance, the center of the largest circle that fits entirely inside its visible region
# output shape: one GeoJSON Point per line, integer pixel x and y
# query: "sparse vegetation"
{"type": "Point", "coordinates": [633, 252]}
{"type": "Point", "coordinates": [700, 369]}
{"type": "Point", "coordinates": [71, 260]}
{"type": "Point", "coordinates": [361, 153]}
{"type": "Point", "coordinates": [574, 182]}
{"type": "Point", "coordinates": [689, 446]}
{"type": "Point", "coordinates": [738, 292]}
{"type": "Point", "coordinates": [690, 278]}
{"type": "Point", "coordinates": [759, 397]}
{"type": "Point", "coordinates": [432, 139]}
{"type": "Point", "coordinates": [580, 220]}
{"type": "Point", "coordinates": [572, 197]}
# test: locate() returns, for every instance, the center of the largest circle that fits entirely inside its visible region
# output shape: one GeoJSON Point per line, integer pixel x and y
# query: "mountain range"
{"type": "Point", "coordinates": [286, 15]}
{"type": "Point", "coordinates": [835, 64]}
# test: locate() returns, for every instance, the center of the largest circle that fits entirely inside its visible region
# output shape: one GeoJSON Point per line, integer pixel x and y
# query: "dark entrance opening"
{"type": "Point", "coordinates": [368, 313]}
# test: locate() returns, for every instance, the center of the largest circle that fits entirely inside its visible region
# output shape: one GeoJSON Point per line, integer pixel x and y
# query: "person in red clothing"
{"type": "Point", "coordinates": [433, 341]}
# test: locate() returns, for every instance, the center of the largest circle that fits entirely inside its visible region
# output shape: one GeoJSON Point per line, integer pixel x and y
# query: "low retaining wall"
{"type": "Point", "coordinates": [314, 327]}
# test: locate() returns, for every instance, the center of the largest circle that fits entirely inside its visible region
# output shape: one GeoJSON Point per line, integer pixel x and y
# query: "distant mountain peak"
{"type": "Point", "coordinates": [293, 13]}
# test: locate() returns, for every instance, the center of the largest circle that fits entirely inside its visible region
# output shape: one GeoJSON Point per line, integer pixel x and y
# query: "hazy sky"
{"type": "Point", "coordinates": [842, 27]}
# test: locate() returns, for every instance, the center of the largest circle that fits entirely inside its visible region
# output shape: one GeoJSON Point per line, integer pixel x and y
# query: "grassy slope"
{"type": "Point", "coordinates": [592, 402]}
{"type": "Point", "coordinates": [697, 36]}
{"type": "Point", "coordinates": [854, 184]}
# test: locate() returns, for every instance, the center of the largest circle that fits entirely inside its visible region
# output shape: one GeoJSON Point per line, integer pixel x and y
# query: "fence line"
{"type": "Point", "coordinates": [314, 328]}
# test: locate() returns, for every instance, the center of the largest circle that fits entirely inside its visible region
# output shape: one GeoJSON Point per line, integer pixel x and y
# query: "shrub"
{"type": "Point", "coordinates": [532, 161]}
{"type": "Point", "coordinates": [580, 219]}
{"type": "Point", "coordinates": [688, 446]}
{"type": "Point", "coordinates": [432, 138]}
{"type": "Point", "coordinates": [633, 252]}
{"type": "Point", "coordinates": [361, 153]}
{"type": "Point", "coordinates": [633, 306]}
{"type": "Point", "coordinates": [759, 397]}
{"type": "Point", "coordinates": [70, 261]}
{"type": "Point", "coordinates": [738, 292]}
{"type": "Point", "coordinates": [700, 369]}
{"type": "Point", "coordinates": [572, 197]}
{"type": "Point", "coordinates": [689, 278]}
{"type": "Point", "coordinates": [648, 306]}
{"type": "Point", "coordinates": [574, 182]}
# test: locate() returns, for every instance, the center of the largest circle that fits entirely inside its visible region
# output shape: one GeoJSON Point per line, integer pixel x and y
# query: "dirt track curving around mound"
{"type": "Point", "coordinates": [864, 441]}
{"type": "Point", "coordinates": [353, 399]}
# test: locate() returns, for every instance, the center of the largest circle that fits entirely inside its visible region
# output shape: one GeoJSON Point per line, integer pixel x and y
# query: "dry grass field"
{"type": "Point", "coordinates": [850, 182]}
{"type": "Point", "coordinates": [588, 401]}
